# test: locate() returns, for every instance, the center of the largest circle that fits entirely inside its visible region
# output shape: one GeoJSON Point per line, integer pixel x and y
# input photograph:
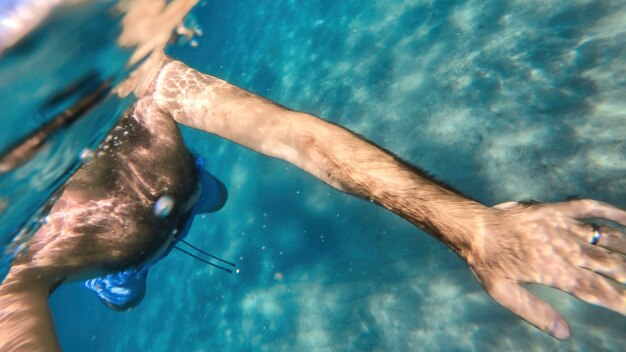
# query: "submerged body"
{"type": "Point", "coordinates": [105, 221]}
{"type": "Point", "coordinates": [110, 201]}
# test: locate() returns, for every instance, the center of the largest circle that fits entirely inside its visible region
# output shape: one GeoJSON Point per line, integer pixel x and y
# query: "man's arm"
{"type": "Point", "coordinates": [25, 320]}
{"type": "Point", "coordinates": [504, 245]}
{"type": "Point", "coordinates": [329, 152]}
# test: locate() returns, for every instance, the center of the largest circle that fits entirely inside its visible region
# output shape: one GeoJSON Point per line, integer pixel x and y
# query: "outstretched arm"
{"type": "Point", "coordinates": [505, 246]}
{"type": "Point", "coordinates": [333, 154]}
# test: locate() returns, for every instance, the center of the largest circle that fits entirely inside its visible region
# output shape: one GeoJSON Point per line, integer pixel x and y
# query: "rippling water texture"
{"type": "Point", "coordinates": [504, 99]}
{"type": "Point", "coordinates": [41, 78]}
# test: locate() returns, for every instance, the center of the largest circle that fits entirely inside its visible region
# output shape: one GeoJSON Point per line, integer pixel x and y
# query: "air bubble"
{"type": "Point", "coordinates": [86, 154]}
{"type": "Point", "coordinates": [163, 206]}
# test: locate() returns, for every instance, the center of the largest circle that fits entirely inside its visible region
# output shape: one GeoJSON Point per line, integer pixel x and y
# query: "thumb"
{"type": "Point", "coordinates": [527, 306]}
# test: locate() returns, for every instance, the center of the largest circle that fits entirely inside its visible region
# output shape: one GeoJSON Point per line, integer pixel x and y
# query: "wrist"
{"type": "Point", "coordinates": [457, 221]}
{"type": "Point", "coordinates": [462, 227]}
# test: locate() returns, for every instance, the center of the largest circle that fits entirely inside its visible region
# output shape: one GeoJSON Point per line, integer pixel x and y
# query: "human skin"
{"type": "Point", "coordinates": [103, 220]}
{"type": "Point", "coordinates": [505, 246]}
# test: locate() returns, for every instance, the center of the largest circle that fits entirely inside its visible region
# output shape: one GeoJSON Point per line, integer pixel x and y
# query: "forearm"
{"type": "Point", "coordinates": [359, 167]}
{"type": "Point", "coordinates": [25, 319]}
{"type": "Point", "coordinates": [329, 152]}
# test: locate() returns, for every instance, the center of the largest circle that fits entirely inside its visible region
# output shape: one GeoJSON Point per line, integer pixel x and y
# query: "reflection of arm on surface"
{"type": "Point", "coordinates": [25, 149]}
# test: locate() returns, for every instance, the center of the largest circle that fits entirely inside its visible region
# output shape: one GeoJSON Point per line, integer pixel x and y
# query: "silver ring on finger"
{"type": "Point", "coordinates": [597, 234]}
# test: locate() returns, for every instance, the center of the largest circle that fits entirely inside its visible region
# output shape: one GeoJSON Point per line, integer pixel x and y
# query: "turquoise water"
{"type": "Point", "coordinates": [504, 100]}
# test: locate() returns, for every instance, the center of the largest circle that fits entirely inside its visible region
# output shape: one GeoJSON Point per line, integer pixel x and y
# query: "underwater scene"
{"type": "Point", "coordinates": [504, 100]}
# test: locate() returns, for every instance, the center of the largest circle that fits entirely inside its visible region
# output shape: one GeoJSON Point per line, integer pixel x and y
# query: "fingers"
{"type": "Point", "coordinates": [611, 238]}
{"type": "Point", "coordinates": [593, 288]}
{"type": "Point", "coordinates": [528, 306]}
{"type": "Point", "coordinates": [587, 208]}
{"type": "Point", "coordinates": [604, 262]}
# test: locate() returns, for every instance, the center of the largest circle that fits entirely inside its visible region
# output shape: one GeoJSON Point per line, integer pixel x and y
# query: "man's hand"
{"type": "Point", "coordinates": [547, 244]}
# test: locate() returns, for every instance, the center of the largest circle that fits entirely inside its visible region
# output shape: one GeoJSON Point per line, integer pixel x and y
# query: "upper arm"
{"type": "Point", "coordinates": [215, 106]}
